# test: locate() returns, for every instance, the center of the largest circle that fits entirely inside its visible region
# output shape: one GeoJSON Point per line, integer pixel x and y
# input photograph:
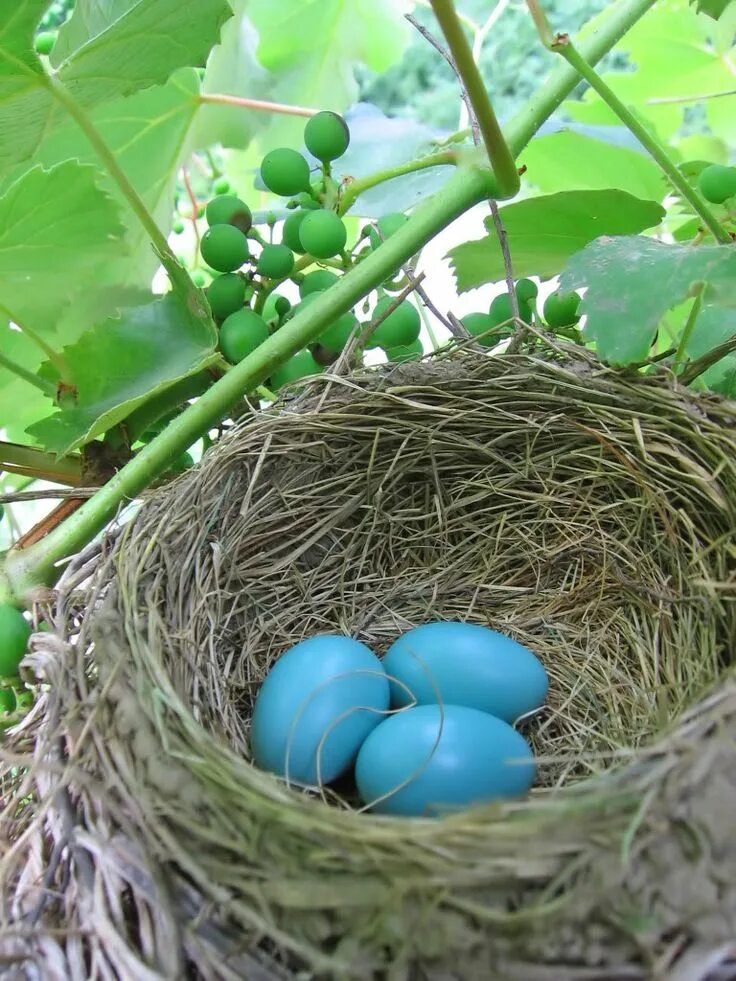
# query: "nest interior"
{"type": "Point", "coordinates": [589, 515]}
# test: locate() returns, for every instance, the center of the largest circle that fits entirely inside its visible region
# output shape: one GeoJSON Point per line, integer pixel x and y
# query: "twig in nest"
{"type": "Point", "coordinates": [508, 268]}
{"type": "Point", "coordinates": [48, 493]}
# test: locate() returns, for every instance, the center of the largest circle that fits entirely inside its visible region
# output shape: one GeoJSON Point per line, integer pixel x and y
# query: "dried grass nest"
{"type": "Point", "coordinates": [590, 514]}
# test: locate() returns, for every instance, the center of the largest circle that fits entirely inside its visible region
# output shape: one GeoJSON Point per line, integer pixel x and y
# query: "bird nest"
{"type": "Point", "coordinates": [587, 513]}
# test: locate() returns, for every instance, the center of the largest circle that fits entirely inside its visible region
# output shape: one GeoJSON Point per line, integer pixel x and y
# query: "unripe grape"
{"type": "Point", "coordinates": [275, 261]}
{"type": "Point", "coordinates": [717, 183]}
{"type": "Point", "coordinates": [226, 294]}
{"type": "Point", "coordinates": [241, 334]}
{"type": "Point", "coordinates": [305, 200]}
{"type": "Point", "coordinates": [199, 278]}
{"type": "Point", "coordinates": [182, 463]}
{"type": "Point", "coordinates": [227, 209]}
{"type": "Point", "coordinates": [326, 136]}
{"type": "Point", "coordinates": [316, 282]}
{"type": "Point", "coordinates": [177, 227]}
{"type": "Point", "coordinates": [275, 306]}
{"type": "Point", "coordinates": [290, 231]}
{"type": "Point", "coordinates": [285, 172]}
{"type": "Point", "coordinates": [385, 227]}
{"type": "Point", "coordinates": [500, 311]}
{"type": "Point", "coordinates": [561, 309]}
{"type": "Point", "coordinates": [401, 326]}
{"type": "Point", "coordinates": [44, 42]}
{"type": "Point", "coordinates": [526, 291]}
{"type": "Point", "coordinates": [405, 352]}
{"type": "Point", "coordinates": [478, 324]}
{"type": "Point", "coordinates": [221, 185]}
{"type": "Point", "coordinates": [323, 234]}
{"type": "Point", "coordinates": [14, 634]}
{"type": "Point", "coordinates": [224, 247]}
{"type": "Point", "coordinates": [300, 366]}
{"type": "Point", "coordinates": [339, 333]}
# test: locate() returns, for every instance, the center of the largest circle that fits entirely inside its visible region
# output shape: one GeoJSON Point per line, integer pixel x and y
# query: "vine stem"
{"type": "Point", "coordinates": [564, 46]}
{"type": "Point", "coordinates": [25, 570]}
{"type": "Point", "coordinates": [114, 169]}
{"type": "Point", "coordinates": [43, 384]}
{"type": "Point", "coordinates": [499, 154]}
{"type": "Point", "coordinates": [355, 188]}
{"type": "Point", "coordinates": [689, 326]}
{"type": "Point", "coordinates": [215, 98]}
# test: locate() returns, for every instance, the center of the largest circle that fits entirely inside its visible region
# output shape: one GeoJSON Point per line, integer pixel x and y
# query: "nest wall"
{"type": "Point", "coordinates": [590, 515]}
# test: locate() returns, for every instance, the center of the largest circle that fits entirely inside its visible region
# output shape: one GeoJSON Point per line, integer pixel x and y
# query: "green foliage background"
{"type": "Point", "coordinates": [422, 85]}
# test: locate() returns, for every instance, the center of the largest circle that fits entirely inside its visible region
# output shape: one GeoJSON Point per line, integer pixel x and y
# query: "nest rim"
{"type": "Point", "coordinates": [613, 794]}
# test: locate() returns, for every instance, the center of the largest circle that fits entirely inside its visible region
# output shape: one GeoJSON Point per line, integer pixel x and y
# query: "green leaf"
{"type": "Point", "coordinates": [675, 59]}
{"type": "Point", "coordinates": [110, 49]}
{"type": "Point", "coordinates": [123, 362]}
{"type": "Point", "coordinates": [569, 161]}
{"type": "Point", "coordinates": [20, 403]}
{"type": "Point", "coordinates": [149, 133]}
{"type": "Point", "coordinates": [25, 102]}
{"type": "Point", "coordinates": [712, 8]}
{"type": "Point", "coordinates": [544, 232]}
{"type": "Point", "coordinates": [632, 281]}
{"type": "Point", "coordinates": [234, 69]}
{"type": "Point", "coordinates": [714, 326]}
{"type": "Point", "coordinates": [379, 142]}
{"type": "Point", "coordinates": [105, 51]}
{"type": "Point", "coordinates": [311, 48]}
{"type": "Point", "coordinates": [56, 226]}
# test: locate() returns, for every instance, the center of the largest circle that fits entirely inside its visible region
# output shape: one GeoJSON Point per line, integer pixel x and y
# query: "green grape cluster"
{"type": "Point", "coordinates": [315, 228]}
{"type": "Point", "coordinates": [489, 328]}
{"type": "Point", "coordinates": [246, 263]}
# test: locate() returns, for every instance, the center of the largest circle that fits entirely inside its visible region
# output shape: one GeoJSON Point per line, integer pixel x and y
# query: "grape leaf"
{"type": "Point", "coordinates": [311, 47]}
{"type": "Point", "coordinates": [543, 232]}
{"type": "Point", "coordinates": [149, 134]}
{"type": "Point", "coordinates": [122, 363]}
{"type": "Point", "coordinates": [568, 160]}
{"type": "Point", "coordinates": [674, 60]}
{"type": "Point", "coordinates": [56, 226]}
{"type": "Point", "coordinates": [233, 68]}
{"type": "Point", "coordinates": [378, 142]}
{"type": "Point", "coordinates": [25, 103]}
{"type": "Point", "coordinates": [632, 281]}
{"type": "Point", "coordinates": [714, 326]}
{"type": "Point", "coordinates": [20, 403]}
{"type": "Point", "coordinates": [105, 51]}
{"type": "Point", "coordinates": [712, 8]}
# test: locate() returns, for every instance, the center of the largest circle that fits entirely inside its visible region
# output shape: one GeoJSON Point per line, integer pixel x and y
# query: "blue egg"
{"type": "Point", "coordinates": [465, 664]}
{"type": "Point", "coordinates": [315, 707]}
{"type": "Point", "coordinates": [433, 760]}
